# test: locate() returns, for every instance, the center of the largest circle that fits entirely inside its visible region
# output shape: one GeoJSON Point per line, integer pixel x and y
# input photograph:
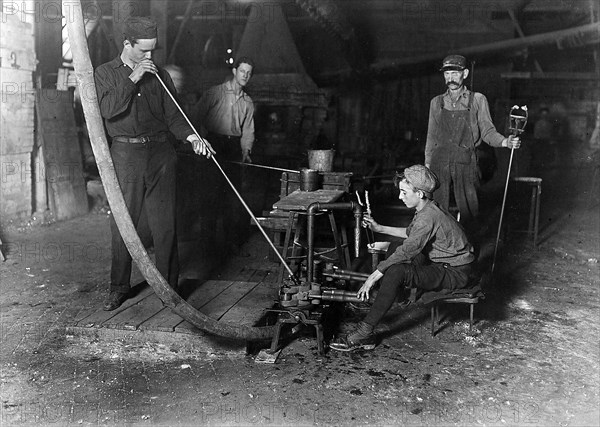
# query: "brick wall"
{"type": "Point", "coordinates": [17, 117]}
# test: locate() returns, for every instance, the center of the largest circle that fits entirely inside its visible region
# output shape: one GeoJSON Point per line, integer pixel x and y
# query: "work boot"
{"type": "Point", "coordinates": [362, 338]}
{"type": "Point", "coordinates": [114, 300]}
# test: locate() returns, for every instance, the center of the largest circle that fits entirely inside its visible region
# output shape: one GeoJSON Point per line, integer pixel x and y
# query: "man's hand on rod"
{"type": "Point", "coordinates": [201, 146]}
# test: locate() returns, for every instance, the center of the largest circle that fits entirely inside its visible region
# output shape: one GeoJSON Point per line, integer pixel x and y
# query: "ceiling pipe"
{"type": "Point", "coordinates": [563, 39]}
{"type": "Point", "coordinates": [572, 37]}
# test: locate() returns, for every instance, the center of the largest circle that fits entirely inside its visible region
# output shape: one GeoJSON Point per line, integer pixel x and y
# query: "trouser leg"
{"type": "Point", "coordinates": [232, 212]}
{"type": "Point", "coordinates": [390, 284]}
{"type": "Point", "coordinates": [442, 194]}
{"type": "Point", "coordinates": [466, 182]}
{"type": "Point", "coordinates": [129, 167]}
{"type": "Point", "coordinates": [160, 202]}
{"type": "Point", "coordinates": [236, 230]}
{"type": "Point", "coordinates": [418, 274]}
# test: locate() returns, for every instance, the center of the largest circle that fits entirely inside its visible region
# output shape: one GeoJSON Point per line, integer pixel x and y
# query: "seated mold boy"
{"type": "Point", "coordinates": [435, 255]}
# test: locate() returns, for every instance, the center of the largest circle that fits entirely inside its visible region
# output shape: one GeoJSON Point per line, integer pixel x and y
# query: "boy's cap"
{"type": "Point", "coordinates": [422, 178]}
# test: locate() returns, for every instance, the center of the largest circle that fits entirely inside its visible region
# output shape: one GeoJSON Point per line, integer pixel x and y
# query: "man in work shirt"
{"type": "Point", "coordinates": [459, 121]}
{"type": "Point", "coordinates": [138, 116]}
{"type": "Point", "coordinates": [225, 115]}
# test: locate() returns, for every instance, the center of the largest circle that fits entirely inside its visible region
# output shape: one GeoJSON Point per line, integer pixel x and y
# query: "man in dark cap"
{"type": "Point", "coordinates": [138, 116]}
{"type": "Point", "coordinates": [459, 121]}
{"type": "Point", "coordinates": [435, 255]}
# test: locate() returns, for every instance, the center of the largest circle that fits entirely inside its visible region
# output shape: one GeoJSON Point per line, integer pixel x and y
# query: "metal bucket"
{"type": "Point", "coordinates": [321, 160]}
{"type": "Point", "coordinates": [309, 180]}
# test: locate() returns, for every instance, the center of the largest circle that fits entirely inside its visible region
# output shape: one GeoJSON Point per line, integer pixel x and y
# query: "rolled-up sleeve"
{"type": "Point", "coordinates": [421, 232]}
{"type": "Point", "coordinates": [486, 127]}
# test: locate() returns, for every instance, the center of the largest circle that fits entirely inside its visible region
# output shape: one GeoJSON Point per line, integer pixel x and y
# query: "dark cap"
{"type": "Point", "coordinates": [454, 62]}
{"type": "Point", "coordinates": [140, 27]}
{"type": "Point", "coordinates": [422, 178]}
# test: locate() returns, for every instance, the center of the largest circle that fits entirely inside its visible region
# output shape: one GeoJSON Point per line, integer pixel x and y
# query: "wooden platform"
{"type": "Point", "coordinates": [242, 299]}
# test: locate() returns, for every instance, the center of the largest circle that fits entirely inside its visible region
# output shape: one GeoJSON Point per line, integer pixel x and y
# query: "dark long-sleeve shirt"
{"type": "Point", "coordinates": [435, 233]}
{"type": "Point", "coordinates": [135, 110]}
{"type": "Point", "coordinates": [482, 127]}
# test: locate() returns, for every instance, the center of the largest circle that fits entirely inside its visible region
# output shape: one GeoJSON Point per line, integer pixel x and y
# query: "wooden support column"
{"type": "Point", "coordinates": [48, 49]}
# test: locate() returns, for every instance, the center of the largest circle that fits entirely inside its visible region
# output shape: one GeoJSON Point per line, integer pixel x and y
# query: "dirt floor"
{"type": "Point", "coordinates": [532, 358]}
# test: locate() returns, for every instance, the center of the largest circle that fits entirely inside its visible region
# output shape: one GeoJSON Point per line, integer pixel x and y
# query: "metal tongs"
{"type": "Point", "coordinates": [367, 204]}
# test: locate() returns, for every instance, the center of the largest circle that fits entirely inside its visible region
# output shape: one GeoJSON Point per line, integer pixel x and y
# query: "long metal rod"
{"type": "Point", "coordinates": [512, 151]}
{"type": "Point", "coordinates": [263, 166]}
{"type": "Point", "coordinates": [239, 196]}
{"type": "Point", "coordinates": [377, 176]}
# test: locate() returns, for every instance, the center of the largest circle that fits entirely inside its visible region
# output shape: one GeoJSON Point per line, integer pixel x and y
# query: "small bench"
{"type": "Point", "coordinates": [470, 296]}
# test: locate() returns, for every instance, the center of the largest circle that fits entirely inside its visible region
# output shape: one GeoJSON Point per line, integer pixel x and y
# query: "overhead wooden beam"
{"type": "Point", "coordinates": [559, 75]}
{"type": "Point", "coordinates": [578, 36]}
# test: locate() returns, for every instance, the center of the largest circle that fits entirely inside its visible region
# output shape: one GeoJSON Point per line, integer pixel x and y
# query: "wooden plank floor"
{"type": "Point", "coordinates": [241, 299]}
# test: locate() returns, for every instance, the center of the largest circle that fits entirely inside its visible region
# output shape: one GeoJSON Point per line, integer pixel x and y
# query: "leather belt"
{"type": "Point", "coordinates": [220, 136]}
{"type": "Point", "coordinates": [140, 140]}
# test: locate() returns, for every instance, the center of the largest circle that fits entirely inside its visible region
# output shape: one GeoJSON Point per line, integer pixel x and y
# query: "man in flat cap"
{"type": "Point", "coordinates": [138, 116]}
{"type": "Point", "coordinates": [435, 255]}
{"type": "Point", "coordinates": [459, 121]}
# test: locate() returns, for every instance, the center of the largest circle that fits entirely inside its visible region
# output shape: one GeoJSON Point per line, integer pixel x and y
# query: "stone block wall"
{"type": "Point", "coordinates": [17, 119]}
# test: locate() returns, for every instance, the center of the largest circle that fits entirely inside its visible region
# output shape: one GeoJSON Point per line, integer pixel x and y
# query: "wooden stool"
{"type": "Point", "coordinates": [534, 207]}
{"type": "Point", "coordinates": [295, 226]}
{"type": "Point", "coordinates": [471, 300]}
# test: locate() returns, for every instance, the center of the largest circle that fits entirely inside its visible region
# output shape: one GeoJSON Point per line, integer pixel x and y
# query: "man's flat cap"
{"type": "Point", "coordinates": [140, 27]}
{"type": "Point", "coordinates": [422, 178]}
{"type": "Point", "coordinates": [454, 62]}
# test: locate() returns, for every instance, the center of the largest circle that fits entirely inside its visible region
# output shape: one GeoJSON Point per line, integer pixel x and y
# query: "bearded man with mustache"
{"type": "Point", "coordinates": [459, 121]}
